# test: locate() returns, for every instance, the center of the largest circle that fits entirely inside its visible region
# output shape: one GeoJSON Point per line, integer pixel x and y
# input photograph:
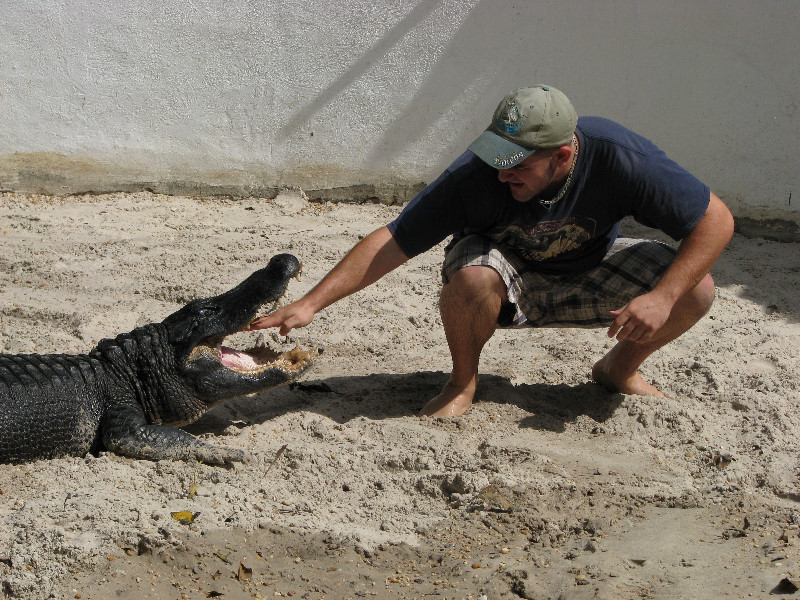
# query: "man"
{"type": "Point", "coordinates": [535, 206]}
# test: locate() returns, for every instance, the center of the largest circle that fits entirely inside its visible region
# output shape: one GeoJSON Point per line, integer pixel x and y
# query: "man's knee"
{"type": "Point", "coordinates": [702, 295]}
{"type": "Point", "coordinates": [476, 281]}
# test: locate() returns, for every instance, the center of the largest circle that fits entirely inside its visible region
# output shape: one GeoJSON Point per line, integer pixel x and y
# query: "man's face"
{"type": "Point", "coordinates": [530, 177]}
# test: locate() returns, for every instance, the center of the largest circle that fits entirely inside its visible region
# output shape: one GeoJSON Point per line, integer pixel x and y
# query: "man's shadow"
{"type": "Point", "coordinates": [386, 396]}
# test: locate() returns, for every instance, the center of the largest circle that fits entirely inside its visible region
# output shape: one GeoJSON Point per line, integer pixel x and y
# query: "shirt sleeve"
{"type": "Point", "coordinates": [427, 219]}
{"type": "Point", "coordinates": [663, 194]}
{"type": "Point", "coordinates": [459, 199]}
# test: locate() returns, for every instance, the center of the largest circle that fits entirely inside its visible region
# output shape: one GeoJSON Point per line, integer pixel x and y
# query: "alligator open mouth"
{"type": "Point", "coordinates": [261, 357]}
{"type": "Point", "coordinates": [253, 361]}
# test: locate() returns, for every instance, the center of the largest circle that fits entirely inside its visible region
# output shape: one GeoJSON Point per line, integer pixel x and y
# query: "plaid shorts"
{"type": "Point", "coordinates": [631, 268]}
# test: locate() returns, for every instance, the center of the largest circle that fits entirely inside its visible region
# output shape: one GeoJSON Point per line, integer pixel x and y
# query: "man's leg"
{"type": "Point", "coordinates": [470, 305]}
{"type": "Point", "coordinates": [618, 370]}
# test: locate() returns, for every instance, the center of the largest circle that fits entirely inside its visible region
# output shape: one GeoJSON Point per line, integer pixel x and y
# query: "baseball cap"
{"type": "Point", "coordinates": [527, 119]}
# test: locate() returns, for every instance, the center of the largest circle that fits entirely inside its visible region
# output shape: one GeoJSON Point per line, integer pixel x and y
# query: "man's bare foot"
{"type": "Point", "coordinates": [452, 401]}
{"type": "Point", "coordinates": [603, 374]}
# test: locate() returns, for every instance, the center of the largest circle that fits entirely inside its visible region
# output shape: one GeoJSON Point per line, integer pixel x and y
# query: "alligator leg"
{"type": "Point", "coordinates": [127, 432]}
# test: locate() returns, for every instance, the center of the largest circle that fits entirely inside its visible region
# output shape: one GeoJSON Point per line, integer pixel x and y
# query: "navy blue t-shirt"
{"type": "Point", "coordinates": [618, 173]}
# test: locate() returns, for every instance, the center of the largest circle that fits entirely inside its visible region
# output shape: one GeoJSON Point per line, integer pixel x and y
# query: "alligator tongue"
{"type": "Point", "coordinates": [235, 359]}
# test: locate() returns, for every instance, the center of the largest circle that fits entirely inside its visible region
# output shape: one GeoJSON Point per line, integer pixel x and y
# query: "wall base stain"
{"type": "Point", "coordinates": [391, 194]}
{"type": "Point", "coordinates": [61, 175]}
{"type": "Point", "coordinates": [776, 230]}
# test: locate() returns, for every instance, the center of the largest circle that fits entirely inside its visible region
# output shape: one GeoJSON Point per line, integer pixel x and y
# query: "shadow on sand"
{"type": "Point", "coordinates": [386, 396]}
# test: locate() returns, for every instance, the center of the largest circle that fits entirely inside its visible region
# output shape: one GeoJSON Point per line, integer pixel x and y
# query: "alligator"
{"type": "Point", "coordinates": [130, 394]}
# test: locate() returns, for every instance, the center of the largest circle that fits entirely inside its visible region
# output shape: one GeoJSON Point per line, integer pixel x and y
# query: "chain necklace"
{"type": "Point", "coordinates": [548, 203]}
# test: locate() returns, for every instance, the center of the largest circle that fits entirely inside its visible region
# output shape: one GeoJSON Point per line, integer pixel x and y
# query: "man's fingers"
{"type": "Point", "coordinates": [263, 322]}
{"type": "Point", "coordinates": [624, 330]}
{"type": "Point", "coordinates": [287, 318]}
{"type": "Point", "coordinates": [623, 333]}
{"type": "Point", "coordinates": [616, 327]}
{"type": "Point", "coordinates": [618, 323]}
{"type": "Point", "coordinates": [632, 332]}
{"type": "Point", "coordinates": [287, 324]}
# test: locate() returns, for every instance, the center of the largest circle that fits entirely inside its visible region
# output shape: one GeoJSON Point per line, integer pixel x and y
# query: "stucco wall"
{"type": "Point", "coordinates": [247, 96]}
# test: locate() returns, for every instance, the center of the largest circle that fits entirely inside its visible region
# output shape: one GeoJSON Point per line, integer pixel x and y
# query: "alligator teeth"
{"type": "Point", "coordinates": [261, 342]}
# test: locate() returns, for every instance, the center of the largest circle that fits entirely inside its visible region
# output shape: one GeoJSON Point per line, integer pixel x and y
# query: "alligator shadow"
{"type": "Point", "coordinates": [386, 396]}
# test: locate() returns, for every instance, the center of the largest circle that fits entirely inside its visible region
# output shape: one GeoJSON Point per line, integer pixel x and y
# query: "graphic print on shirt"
{"type": "Point", "coordinates": [546, 239]}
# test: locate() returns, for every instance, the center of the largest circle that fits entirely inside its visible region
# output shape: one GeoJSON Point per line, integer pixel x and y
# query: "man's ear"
{"type": "Point", "coordinates": [562, 156]}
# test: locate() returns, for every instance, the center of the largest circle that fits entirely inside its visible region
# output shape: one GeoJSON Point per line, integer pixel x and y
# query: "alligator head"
{"type": "Point", "coordinates": [215, 372]}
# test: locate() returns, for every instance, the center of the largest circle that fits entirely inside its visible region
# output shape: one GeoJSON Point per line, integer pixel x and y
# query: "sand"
{"type": "Point", "coordinates": [550, 487]}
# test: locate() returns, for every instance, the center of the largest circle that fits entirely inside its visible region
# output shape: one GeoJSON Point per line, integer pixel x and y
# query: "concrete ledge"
{"type": "Point", "coordinates": [59, 175]}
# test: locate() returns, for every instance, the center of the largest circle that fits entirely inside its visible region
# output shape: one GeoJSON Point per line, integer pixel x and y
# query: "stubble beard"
{"type": "Point", "coordinates": [523, 193]}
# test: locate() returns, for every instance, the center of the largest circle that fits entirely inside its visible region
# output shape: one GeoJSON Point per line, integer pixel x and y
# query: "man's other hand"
{"type": "Point", "coordinates": [640, 319]}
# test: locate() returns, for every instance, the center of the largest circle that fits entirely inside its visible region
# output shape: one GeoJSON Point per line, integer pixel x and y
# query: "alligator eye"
{"type": "Point", "coordinates": [206, 311]}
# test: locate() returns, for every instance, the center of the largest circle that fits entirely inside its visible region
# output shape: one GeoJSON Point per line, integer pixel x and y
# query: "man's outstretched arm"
{"type": "Point", "coordinates": [369, 260]}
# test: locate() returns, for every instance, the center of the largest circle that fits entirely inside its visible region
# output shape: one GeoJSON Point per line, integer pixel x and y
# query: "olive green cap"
{"type": "Point", "coordinates": [527, 119]}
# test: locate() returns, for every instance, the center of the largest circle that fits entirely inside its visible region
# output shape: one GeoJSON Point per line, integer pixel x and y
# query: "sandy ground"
{"type": "Point", "coordinates": [549, 487]}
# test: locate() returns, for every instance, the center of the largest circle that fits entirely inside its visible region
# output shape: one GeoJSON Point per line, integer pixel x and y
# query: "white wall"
{"type": "Point", "coordinates": [246, 95]}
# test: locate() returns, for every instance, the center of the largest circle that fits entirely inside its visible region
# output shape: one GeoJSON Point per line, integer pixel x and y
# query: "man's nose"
{"type": "Point", "coordinates": [505, 175]}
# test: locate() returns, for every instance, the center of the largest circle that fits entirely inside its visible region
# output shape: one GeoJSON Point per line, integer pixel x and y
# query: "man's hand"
{"type": "Point", "coordinates": [287, 318]}
{"type": "Point", "coordinates": [640, 319]}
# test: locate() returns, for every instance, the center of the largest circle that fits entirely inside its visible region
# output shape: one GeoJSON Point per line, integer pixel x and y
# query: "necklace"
{"type": "Point", "coordinates": [548, 203]}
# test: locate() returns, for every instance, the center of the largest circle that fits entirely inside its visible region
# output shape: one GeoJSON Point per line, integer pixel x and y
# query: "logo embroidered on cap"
{"type": "Point", "coordinates": [510, 120]}
{"type": "Point", "coordinates": [503, 162]}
